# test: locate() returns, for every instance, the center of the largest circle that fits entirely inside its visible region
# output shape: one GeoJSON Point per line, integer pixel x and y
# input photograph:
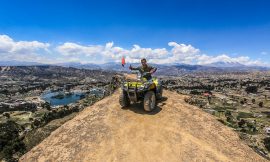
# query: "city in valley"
{"type": "Point", "coordinates": [35, 100]}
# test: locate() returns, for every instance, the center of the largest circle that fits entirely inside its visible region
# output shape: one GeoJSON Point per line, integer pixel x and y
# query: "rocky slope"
{"type": "Point", "coordinates": [175, 131]}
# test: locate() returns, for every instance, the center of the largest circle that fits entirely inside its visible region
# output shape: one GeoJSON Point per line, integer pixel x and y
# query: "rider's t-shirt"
{"type": "Point", "coordinates": [142, 69]}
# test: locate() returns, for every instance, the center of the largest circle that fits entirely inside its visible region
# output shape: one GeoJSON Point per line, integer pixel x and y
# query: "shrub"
{"type": "Point", "coordinates": [228, 113]}
{"type": "Point", "coordinates": [252, 89]}
{"type": "Point", "coordinates": [241, 123]}
{"type": "Point", "coordinates": [47, 106]}
{"type": "Point", "coordinates": [222, 121]}
{"type": "Point", "coordinates": [7, 115]}
{"type": "Point", "coordinates": [261, 104]}
{"type": "Point", "coordinates": [36, 122]}
{"type": "Point", "coordinates": [266, 142]}
{"type": "Point", "coordinates": [253, 101]}
{"type": "Point", "coordinates": [195, 92]}
{"type": "Point", "coordinates": [10, 143]}
{"type": "Point", "coordinates": [245, 115]}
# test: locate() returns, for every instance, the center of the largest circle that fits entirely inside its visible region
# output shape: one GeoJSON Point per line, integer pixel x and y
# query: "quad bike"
{"type": "Point", "coordinates": [143, 89]}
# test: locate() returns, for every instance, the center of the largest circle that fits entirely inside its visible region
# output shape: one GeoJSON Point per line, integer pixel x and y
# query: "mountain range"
{"type": "Point", "coordinates": [170, 69]}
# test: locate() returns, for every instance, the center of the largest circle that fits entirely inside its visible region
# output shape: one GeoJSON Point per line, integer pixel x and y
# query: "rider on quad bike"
{"type": "Point", "coordinates": [145, 88]}
{"type": "Point", "coordinates": [145, 69]}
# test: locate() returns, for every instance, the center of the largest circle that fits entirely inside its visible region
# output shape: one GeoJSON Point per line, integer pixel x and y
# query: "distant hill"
{"type": "Point", "coordinates": [225, 64]}
{"type": "Point", "coordinates": [163, 69]}
{"type": "Point", "coordinates": [53, 72]}
{"type": "Point", "coordinates": [19, 63]}
{"type": "Point", "coordinates": [80, 66]}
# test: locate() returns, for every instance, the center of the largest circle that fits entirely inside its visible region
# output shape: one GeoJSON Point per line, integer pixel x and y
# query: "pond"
{"type": "Point", "coordinates": [61, 98]}
{"type": "Point", "coordinates": [58, 98]}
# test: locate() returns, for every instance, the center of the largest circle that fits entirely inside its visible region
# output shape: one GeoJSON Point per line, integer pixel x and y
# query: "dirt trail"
{"type": "Point", "coordinates": [175, 131]}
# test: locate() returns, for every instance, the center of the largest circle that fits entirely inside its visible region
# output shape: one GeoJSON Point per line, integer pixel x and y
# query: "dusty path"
{"type": "Point", "coordinates": [176, 131]}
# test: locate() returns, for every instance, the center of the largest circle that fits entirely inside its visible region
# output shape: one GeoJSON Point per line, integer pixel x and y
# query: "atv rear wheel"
{"type": "Point", "coordinates": [124, 100]}
{"type": "Point", "coordinates": [149, 101]}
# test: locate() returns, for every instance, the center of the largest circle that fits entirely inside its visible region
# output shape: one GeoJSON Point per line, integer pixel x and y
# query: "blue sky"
{"type": "Point", "coordinates": [215, 28]}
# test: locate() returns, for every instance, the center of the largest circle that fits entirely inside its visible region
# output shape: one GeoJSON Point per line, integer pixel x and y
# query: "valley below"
{"type": "Point", "coordinates": [40, 104]}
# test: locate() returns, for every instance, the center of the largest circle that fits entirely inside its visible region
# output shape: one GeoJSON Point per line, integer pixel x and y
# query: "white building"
{"type": "Point", "coordinates": [267, 130]}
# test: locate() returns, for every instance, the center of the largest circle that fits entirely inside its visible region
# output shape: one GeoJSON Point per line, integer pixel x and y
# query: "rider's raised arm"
{"type": "Point", "coordinates": [152, 69]}
{"type": "Point", "coordinates": [134, 68]}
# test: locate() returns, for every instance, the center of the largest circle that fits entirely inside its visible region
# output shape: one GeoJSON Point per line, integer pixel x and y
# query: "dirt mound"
{"type": "Point", "coordinates": [175, 131]}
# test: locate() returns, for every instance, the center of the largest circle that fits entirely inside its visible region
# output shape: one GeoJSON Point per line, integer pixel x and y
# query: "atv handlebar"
{"type": "Point", "coordinates": [146, 73]}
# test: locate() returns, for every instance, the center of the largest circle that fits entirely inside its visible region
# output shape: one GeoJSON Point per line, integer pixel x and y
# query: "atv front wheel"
{"type": "Point", "coordinates": [124, 100]}
{"type": "Point", "coordinates": [149, 101]}
{"type": "Point", "coordinates": [159, 93]}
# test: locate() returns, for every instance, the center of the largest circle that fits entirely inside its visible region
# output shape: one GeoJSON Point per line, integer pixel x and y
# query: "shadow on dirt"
{"type": "Point", "coordinates": [163, 99]}
{"type": "Point", "coordinates": [138, 107]}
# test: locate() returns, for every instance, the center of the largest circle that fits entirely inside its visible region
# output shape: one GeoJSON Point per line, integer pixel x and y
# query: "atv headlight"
{"type": "Point", "coordinates": [141, 87]}
{"type": "Point", "coordinates": [124, 86]}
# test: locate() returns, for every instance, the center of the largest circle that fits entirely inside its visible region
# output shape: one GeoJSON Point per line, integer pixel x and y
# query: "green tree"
{"type": "Point", "coordinates": [266, 142]}
{"type": "Point", "coordinates": [10, 142]}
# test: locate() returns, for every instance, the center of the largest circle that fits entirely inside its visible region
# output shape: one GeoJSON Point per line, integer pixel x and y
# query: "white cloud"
{"type": "Point", "coordinates": [24, 47]}
{"type": "Point", "coordinates": [110, 52]}
{"type": "Point", "coordinates": [137, 53]}
{"type": "Point", "coordinates": [205, 59]}
{"type": "Point", "coordinates": [21, 50]}
{"type": "Point", "coordinates": [179, 53]}
{"type": "Point", "coordinates": [6, 44]}
{"type": "Point", "coordinates": [73, 49]}
{"type": "Point", "coordinates": [69, 51]}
